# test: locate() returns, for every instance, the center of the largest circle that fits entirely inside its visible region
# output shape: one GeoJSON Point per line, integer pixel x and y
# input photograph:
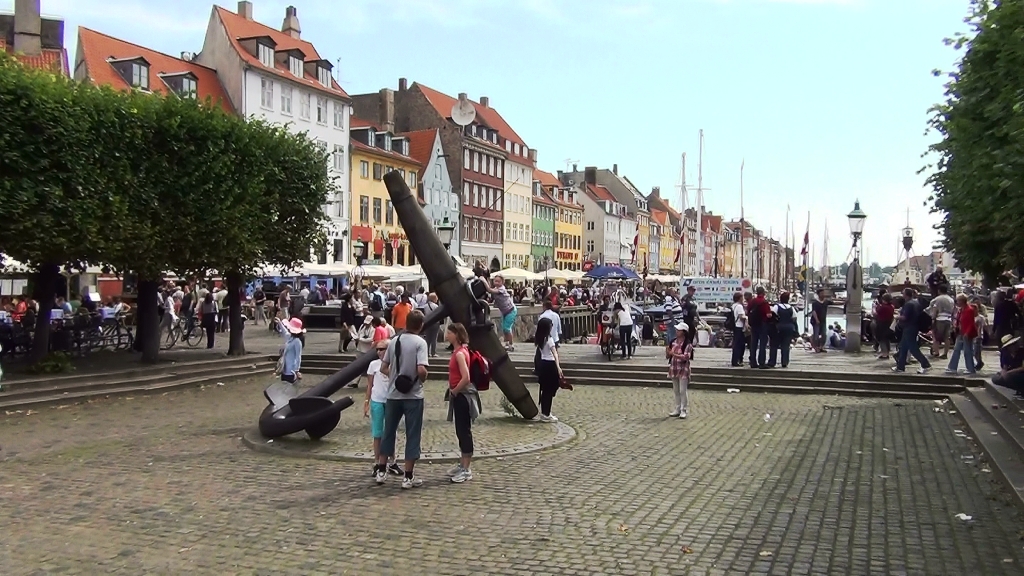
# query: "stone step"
{"type": "Point", "coordinates": [129, 387]}
{"type": "Point", "coordinates": [1002, 452]}
{"type": "Point", "coordinates": [1002, 414]}
{"type": "Point", "coordinates": [123, 380]}
{"type": "Point", "coordinates": [11, 382]}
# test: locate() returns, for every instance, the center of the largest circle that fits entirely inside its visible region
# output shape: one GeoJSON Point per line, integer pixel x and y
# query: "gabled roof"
{"type": "Point", "coordinates": [600, 193]}
{"type": "Point", "coordinates": [544, 199]}
{"type": "Point", "coordinates": [47, 59]}
{"type": "Point", "coordinates": [546, 179]}
{"type": "Point", "coordinates": [711, 222]}
{"type": "Point", "coordinates": [659, 216]}
{"type": "Point", "coordinates": [421, 144]}
{"type": "Point", "coordinates": [96, 48]}
{"type": "Point", "coordinates": [485, 115]}
{"type": "Point", "coordinates": [357, 145]}
{"type": "Point", "coordinates": [238, 28]}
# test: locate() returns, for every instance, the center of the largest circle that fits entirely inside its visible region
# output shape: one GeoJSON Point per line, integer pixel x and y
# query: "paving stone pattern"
{"type": "Point", "coordinates": [828, 485]}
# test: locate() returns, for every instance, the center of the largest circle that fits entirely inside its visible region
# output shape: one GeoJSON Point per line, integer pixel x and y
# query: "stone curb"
{"type": "Point", "coordinates": [564, 435]}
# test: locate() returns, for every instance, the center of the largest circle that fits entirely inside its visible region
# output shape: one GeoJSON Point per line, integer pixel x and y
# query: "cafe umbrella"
{"type": "Point", "coordinates": [611, 273]}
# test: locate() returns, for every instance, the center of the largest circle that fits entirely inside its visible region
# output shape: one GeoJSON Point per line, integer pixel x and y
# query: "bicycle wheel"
{"type": "Point", "coordinates": [196, 336]}
{"type": "Point", "coordinates": [171, 337]}
{"type": "Point", "coordinates": [125, 339]}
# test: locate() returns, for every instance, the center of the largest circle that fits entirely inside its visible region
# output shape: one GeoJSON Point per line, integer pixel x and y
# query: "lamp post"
{"type": "Point", "coordinates": [358, 251]}
{"type": "Point", "coordinates": [446, 233]}
{"type": "Point", "coordinates": [854, 281]}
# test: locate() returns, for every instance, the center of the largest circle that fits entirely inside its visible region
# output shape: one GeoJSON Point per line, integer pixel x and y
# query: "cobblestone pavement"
{"type": "Point", "coordinates": [828, 485]}
{"type": "Point", "coordinates": [495, 434]}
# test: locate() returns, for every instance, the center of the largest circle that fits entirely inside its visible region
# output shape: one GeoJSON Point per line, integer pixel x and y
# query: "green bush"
{"type": "Point", "coordinates": [53, 363]}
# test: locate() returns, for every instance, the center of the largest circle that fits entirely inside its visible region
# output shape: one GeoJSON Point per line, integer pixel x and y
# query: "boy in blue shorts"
{"type": "Point", "coordinates": [377, 385]}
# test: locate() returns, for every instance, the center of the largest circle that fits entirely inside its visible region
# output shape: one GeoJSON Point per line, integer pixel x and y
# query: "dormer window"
{"type": "Point", "coordinates": [370, 137]}
{"type": "Point", "coordinates": [266, 54]}
{"type": "Point", "coordinates": [295, 65]}
{"type": "Point", "coordinates": [323, 75]}
{"type": "Point", "coordinates": [135, 71]}
{"type": "Point", "coordinates": [184, 85]}
{"type": "Point", "coordinates": [387, 142]}
{"type": "Point", "coordinates": [140, 75]}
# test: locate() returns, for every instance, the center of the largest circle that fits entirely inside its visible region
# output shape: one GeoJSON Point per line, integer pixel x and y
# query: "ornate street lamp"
{"type": "Point", "coordinates": [854, 281]}
{"type": "Point", "coordinates": [358, 249]}
{"type": "Point", "coordinates": [446, 233]}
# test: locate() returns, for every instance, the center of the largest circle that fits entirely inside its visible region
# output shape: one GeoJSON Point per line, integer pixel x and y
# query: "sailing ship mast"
{"type": "Point", "coordinates": [700, 203]}
{"type": "Point", "coordinates": [824, 259]}
{"type": "Point", "coordinates": [683, 201]}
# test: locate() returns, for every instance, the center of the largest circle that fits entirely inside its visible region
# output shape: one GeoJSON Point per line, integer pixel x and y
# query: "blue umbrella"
{"type": "Point", "coordinates": [611, 273]}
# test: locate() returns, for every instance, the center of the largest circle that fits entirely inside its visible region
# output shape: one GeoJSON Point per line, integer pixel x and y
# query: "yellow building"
{"type": "Point", "coordinates": [669, 243]}
{"type": "Point", "coordinates": [643, 226]}
{"type": "Point", "coordinates": [568, 230]}
{"type": "Point", "coordinates": [518, 211]}
{"type": "Point", "coordinates": [377, 237]}
{"type": "Point", "coordinates": [731, 238]}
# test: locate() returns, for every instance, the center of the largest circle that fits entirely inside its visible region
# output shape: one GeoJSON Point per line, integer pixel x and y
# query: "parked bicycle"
{"type": "Point", "coordinates": [189, 332]}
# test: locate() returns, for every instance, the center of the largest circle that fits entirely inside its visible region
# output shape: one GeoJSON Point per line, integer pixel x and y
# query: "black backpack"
{"type": "Point", "coordinates": [924, 320]}
{"type": "Point", "coordinates": [403, 383]}
{"type": "Point", "coordinates": [376, 302]}
{"type": "Point", "coordinates": [730, 319]}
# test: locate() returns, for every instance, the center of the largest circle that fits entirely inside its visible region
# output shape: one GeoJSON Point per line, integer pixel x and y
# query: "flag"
{"type": "Point", "coordinates": [636, 244]}
{"type": "Point", "coordinates": [807, 237]}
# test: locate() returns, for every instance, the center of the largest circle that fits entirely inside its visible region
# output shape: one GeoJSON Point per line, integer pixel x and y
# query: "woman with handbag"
{"type": "Point", "coordinates": [549, 371]}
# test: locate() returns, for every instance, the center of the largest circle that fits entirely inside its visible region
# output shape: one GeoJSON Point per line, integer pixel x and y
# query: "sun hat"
{"type": "Point", "coordinates": [294, 326]}
{"type": "Point", "coordinates": [682, 325]}
{"type": "Point", "coordinates": [1009, 340]}
{"type": "Point", "coordinates": [368, 319]}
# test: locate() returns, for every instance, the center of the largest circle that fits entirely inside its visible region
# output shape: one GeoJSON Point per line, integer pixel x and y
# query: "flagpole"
{"type": "Point", "coordinates": [743, 228]}
{"type": "Point", "coordinates": [808, 274]}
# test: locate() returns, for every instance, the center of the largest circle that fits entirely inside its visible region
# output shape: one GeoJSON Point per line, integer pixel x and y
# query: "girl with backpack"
{"type": "Point", "coordinates": [463, 400]}
{"type": "Point", "coordinates": [549, 371]}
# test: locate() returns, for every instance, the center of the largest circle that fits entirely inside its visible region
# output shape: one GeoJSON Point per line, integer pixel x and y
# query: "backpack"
{"type": "Point", "coordinates": [924, 320]}
{"type": "Point", "coordinates": [314, 297]}
{"type": "Point", "coordinates": [730, 319]}
{"type": "Point", "coordinates": [376, 302]}
{"type": "Point", "coordinates": [479, 370]}
{"type": "Point", "coordinates": [403, 383]}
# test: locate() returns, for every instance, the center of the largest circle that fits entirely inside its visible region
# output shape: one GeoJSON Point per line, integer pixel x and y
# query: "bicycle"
{"type": "Point", "coordinates": [193, 335]}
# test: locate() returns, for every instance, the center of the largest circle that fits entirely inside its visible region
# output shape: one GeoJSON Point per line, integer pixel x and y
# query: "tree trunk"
{"type": "Point", "coordinates": [236, 339]}
{"type": "Point", "coordinates": [147, 336]}
{"type": "Point", "coordinates": [43, 292]}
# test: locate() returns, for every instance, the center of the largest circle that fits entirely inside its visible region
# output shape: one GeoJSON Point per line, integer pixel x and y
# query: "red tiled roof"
{"type": "Point", "coordinates": [95, 48]}
{"type": "Point", "coordinates": [421, 144]}
{"type": "Point", "coordinates": [356, 145]}
{"type": "Point", "coordinates": [713, 223]}
{"type": "Point", "coordinates": [47, 59]}
{"type": "Point", "coordinates": [660, 216]}
{"type": "Point", "coordinates": [599, 193]}
{"type": "Point", "coordinates": [544, 199]}
{"type": "Point", "coordinates": [485, 115]}
{"type": "Point", "coordinates": [238, 27]}
{"type": "Point", "coordinates": [545, 178]}
{"type": "Point", "coordinates": [354, 122]}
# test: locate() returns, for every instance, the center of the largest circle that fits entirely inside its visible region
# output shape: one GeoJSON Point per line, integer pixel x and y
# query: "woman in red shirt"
{"type": "Point", "coordinates": [463, 400]}
{"type": "Point", "coordinates": [966, 332]}
{"type": "Point", "coordinates": [884, 314]}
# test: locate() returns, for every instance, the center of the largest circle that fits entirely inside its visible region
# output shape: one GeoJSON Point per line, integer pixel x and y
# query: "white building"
{"type": "Point", "coordinates": [277, 76]}
{"type": "Point", "coordinates": [602, 217]}
{"type": "Point", "coordinates": [518, 213]}
{"type": "Point", "coordinates": [439, 201]}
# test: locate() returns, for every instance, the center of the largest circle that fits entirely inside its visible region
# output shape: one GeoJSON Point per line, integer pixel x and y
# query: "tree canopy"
{"type": "Point", "coordinates": [146, 184]}
{"type": "Point", "coordinates": [978, 173]}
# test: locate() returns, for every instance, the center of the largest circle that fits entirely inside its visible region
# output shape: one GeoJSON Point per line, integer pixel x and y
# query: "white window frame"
{"type": "Point", "coordinates": [189, 87]}
{"type": "Point", "coordinates": [339, 115]}
{"type": "Point", "coordinates": [296, 67]}
{"type": "Point", "coordinates": [266, 54]}
{"type": "Point", "coordinates": [339, 158]}
{"type": "Point", "coordinates": [267, 93]}
{"type": "Point", "coordinates": [286, 100]}
{"type": "Point", "coordinates": [324, 76]}
{"type": "Point", "coordinates": [364, 169]}
{"type": "Point", "coordinates": [304, 105]}
{"type": "Point", "coordinates": [321, 110]}
{"type": "Point", "coordinates": [140, 76]}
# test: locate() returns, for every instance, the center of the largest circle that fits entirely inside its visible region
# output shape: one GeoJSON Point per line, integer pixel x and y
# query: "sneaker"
{"type": "Point", "coordinates": [923, 370]}
{"type": "Point", "coordinates": [682, 415]}
{"type": "Point", "coordinates": [950, 372]}
{"type": "Point", "coordinates": [673, 413]}
{"type": "Point", "coordinates": [413, 482]}
{"type": "Point", "coordinates": [380, 476]}
{"type": "Point", "coordinates": [897, 370]}
{"type": "Point", "coordinates": [394, 469]}
{"type": "Point", "coordinates": [454, 470]}
{"type": "Point", "coordinates": [547, 418]}
{"type": "Point", "coordinates": [462, 475]}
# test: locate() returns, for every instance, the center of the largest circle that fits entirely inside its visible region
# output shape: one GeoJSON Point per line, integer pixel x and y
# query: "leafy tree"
{"type": "Point", "coordinates": [55, 197]}
{"type": "Point", "coordinates": [978, 177]}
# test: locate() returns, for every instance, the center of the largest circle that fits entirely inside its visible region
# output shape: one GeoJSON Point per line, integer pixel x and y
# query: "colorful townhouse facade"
{"type": "Point", "coordinates": [377, 235]}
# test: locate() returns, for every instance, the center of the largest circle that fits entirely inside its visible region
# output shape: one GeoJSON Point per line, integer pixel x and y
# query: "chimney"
{"type": "Point", "coordinates": [533, 156]}
{"type": "Point", "coordinates": [485, 101]}
{"type": "Point", "coordinates": [462, 96]}
{"type": "Point", "coordinates": [574, 168]}
{"type": "Point", "coordinates": [290, 26]}
{"type": "Point", "coordinates": [656, 191]}
{"type": "Point", "coordinates": [615, 169]}
{"type": "Point", "coordinates": [27, 27]}
{"type": "Point", "coordinates": [245, 9]}
{"type": "Point", "coordinates": [590, 175]}
{"type": "Point", "coordinates": [403, 84]}
{"type": "Point", "coordinates": [386, 110]}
